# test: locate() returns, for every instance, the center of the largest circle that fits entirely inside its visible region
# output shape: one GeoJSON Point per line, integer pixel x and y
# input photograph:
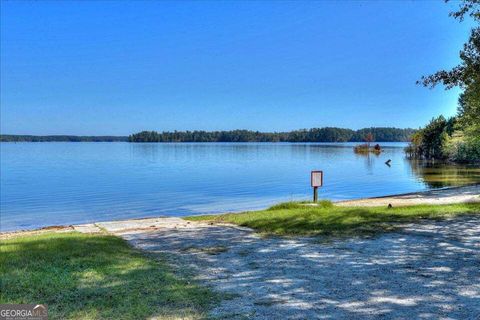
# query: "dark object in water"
{"type": "Point", "coordinates": [377, 147]}
{"type": "Point", "coordinates": [390, 206]}
{"type": "Point", "coordinates": [388, 162]}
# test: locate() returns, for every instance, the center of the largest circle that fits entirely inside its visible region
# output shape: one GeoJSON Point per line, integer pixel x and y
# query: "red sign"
{"type": "Point", "coordinates": [316, 178]}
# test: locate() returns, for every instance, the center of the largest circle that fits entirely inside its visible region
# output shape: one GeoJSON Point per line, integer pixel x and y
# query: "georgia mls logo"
{"type": "Point", "coordinates": [39, 311]}
{"type": "Point", "coordinates": [23, 312]}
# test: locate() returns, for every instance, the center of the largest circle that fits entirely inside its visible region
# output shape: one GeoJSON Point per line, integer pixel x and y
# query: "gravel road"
{"type": "Point", "coordinates": [429, 270]}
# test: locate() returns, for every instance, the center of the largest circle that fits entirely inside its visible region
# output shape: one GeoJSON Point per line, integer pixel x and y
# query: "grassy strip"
{"type": "Point", "coordinates": [327, 219]}
{"type": "Point", "coordinates": [81, 276]}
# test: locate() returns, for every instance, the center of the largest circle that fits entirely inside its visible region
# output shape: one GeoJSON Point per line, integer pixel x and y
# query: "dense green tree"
{"type": "Point", "coordinates": [429, 142]}
{"type": "Point", "coordinates": [460, 142]}
{"type": "Point", "coordinates": [469, 111]}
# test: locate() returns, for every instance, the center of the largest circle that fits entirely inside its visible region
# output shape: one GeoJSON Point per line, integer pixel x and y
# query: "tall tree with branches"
{"type": "Point", "coordinates": [457, 139]}
{"type": "Point", "coordinates": [468, 71]}
{"type": "Point", "coordinates": [466, 75]}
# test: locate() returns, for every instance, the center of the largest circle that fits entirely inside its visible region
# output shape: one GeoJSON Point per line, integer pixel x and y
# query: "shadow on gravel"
{"type": "Point", "coordinates": [426, 271]}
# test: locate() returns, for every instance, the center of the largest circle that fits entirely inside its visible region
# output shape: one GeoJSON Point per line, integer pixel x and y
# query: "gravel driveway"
{"type": "Point", "coordinates": [429, 270]}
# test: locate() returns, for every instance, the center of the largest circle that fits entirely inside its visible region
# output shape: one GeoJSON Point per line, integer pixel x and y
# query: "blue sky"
{"type": "Point", "coordinates": [120, 67]}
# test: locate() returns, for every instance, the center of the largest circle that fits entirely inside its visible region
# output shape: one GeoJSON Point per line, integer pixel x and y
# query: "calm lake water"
{"type": "Point", "coordinates": [65, 183]}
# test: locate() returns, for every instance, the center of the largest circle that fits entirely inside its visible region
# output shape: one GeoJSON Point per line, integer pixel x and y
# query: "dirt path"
{"type": "Point", "coordinates": [429, 270]}
{"type": "Point", "coordinates": [439, 196]}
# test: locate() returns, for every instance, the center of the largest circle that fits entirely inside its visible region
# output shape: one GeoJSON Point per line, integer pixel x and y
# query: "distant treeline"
{"type": "Point", "coordinates": [27, 138]}
{"type": "Point", "coordinates": [328, 134]}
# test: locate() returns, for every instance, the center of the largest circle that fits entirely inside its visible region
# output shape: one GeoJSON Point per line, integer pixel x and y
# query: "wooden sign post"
{"type": "Point", "coordinates": [316, 180]}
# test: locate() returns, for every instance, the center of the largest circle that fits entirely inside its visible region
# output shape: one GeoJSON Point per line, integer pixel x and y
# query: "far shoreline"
{"type": "Point", "coordinates": [323, 134]}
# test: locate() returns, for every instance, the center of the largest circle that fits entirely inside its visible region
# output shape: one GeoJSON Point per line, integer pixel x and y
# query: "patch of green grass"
{"type": "Point", "coordinates": [287, 205]}
{"type": "Point", "coordinates": [82, 276]}
{"type": "Point", "coordinates": [327, 219]}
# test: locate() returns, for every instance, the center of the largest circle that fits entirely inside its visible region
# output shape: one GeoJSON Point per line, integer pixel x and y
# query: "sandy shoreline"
{"type": "Point", "coordinates": [463, 194]}
{"type": "Point", "coordinates": [470, 193]}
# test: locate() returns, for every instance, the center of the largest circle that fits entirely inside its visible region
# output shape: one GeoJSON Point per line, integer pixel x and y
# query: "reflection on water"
{"type": "Point", "coordinates": [439, 174]}
{"type": "Point", "coordinates": [368, 159]}
{"type": "Point", "coordinates": [62, 183]}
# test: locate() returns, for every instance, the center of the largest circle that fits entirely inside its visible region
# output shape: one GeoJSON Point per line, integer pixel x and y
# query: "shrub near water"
{"type": "Point", "coordinates": [365, 149]}
{"type": "Point", "coordinates": [464, 151]}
